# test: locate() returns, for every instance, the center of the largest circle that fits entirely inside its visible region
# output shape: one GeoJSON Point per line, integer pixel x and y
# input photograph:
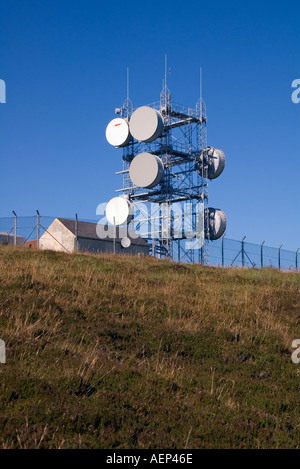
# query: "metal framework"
{"type": "Point", "coordinates": [183, 137]}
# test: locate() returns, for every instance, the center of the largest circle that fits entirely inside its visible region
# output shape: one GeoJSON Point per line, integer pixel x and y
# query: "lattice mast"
{"type": "Point", "coordinates": [183, 137]}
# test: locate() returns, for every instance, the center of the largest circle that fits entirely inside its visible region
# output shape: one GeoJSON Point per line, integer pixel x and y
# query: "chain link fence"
{"type": "Point", "coordinates": [224, 252]}
{"type": "Point", "coordinates": [23, 230]}
{"type": "Point", "coordinates": [227, 252]}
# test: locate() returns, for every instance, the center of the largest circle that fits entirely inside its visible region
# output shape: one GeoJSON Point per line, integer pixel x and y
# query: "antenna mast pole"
{"type": "Point", "coordinates": [127, 83]}
{"type": "Point", "coordinates": [127, 107]}
{"type": "Point", "coordinates": [166, 65]}
{"type": "Point", "coordinates": [201, 90]}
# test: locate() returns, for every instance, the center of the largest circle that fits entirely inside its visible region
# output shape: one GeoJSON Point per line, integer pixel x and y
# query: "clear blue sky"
{"type": "Point", "coordinates": [64, 63]}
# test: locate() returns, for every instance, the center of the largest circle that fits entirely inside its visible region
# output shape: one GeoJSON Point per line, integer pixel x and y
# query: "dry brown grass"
{"type": "Point", "coordinates": [125, 352]}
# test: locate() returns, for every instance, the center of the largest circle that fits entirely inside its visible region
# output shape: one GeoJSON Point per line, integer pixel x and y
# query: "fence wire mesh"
{"type": "Point", "coordinates": [223, 252]}
{"type": "Point", "coordinates": [25, 228]}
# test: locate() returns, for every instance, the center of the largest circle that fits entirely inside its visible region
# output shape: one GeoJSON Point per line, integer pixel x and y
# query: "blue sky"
{"type": "Point", "coordinates": [64, 63]}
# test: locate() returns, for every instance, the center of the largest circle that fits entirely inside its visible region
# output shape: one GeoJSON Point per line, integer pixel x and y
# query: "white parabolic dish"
{"type": "Point", "coordinates": [216, 163]}
{"type": "Point", "coordinates": [217, 223]}
{"type": "Point", "coordinates": [215, 159]}
{"type": "Point", "coordinates": [146, 170]}
{"type": "Point", "coordinates": [146, 124]}
{"type": "Point", "coordinates": [117, 132]}
{"type": "Point", "coordinates": [119, 211]}
{"type": "Point", "coordinates": [125, 242]}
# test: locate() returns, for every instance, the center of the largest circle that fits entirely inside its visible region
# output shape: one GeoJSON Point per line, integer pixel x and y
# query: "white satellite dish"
{"type": "Point", "coordinates": [125, 242]}
{"type": "Point", "coordinates": [146, 124]}
{"type": "Point", "coordinates": [215, 161]}
{"type": "Point", "coordinates": [146, 170]}
{"type": "Point", "coordinates": [217, 223]}
{"type": "Point", "coordinates": [119, 211]}
{"type": "Point", "coordinates": [117, 132]}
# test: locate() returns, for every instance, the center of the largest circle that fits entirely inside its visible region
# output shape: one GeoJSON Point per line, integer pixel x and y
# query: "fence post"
{"type": "Point", "coordinates": [76, 232]}
{"type": "Point", "coordinates": [297, 260]}
{"type": "Point", "coordinates": [15, 228]}
{"type": "Point", "coordinates": [115, 234]}
{"type": "Point", "coordinates": [279, 249]}
{"type": "Point", "coordinates": [243, 251]}
{"type": "Point", "coordinates": [37, 229]}
{"type": "Point", "coordinates": [2, 351]}
{"type": "Point", "coordinates": [222, 250]}
{"type": "Point", "coordinates": [261, 255]}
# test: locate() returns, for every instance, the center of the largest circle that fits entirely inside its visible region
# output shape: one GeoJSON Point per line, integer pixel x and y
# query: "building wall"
{"type": "Point", "coordinates": [60, 233]}
{"type": "Point", "coordinates": [63, 240]}
{"type": "Point", "coordinates": [94, 245]}
{"type": "Point", "coordinates": [31, 244]}
{"type": "Point", "coordinates": [8, 239]}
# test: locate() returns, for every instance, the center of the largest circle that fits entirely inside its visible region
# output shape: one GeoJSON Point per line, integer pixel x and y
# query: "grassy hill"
{"type": "Point", "coordinates": [126, 352]}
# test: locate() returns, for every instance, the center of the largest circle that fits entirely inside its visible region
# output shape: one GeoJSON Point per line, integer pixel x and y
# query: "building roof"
{"type": "Point", "coordinates": [10, 235]}
{"type": "Point", "coordinates": [88, 230]}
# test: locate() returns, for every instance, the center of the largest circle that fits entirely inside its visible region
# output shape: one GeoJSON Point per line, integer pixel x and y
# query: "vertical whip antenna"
{"type": "Point", "coordinates": [200, 82]}
{"type": "Point", "coordinates": [165, 95]}
{"type": "Point", "coordinates": [128, 83]}
{"type": "Point", "coordinates": [201, 90]}
{"type": "Point", "coordinates": [127, 107]}
{"type": "Point", "coordinates": [166, 65]}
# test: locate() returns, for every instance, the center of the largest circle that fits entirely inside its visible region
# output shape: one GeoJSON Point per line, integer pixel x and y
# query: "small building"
{"type": "Point", "coordinates": [91, 237]}
{"type": "Point", "coordinates": [31, 244]}
{"type": "Point", "coordinates": [9, 239]}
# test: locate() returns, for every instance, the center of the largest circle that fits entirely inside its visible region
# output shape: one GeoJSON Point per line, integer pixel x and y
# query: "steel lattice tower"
{"type": "Point", "coordinates": [184, 136]}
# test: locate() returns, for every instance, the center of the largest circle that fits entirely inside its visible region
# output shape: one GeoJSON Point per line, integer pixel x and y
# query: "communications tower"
{"type": "Point", "coordinates": [166, 168]}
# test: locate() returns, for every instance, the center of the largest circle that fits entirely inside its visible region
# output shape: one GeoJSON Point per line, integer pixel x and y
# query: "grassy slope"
{"type": "Point", "coordinates": [120, 352]}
